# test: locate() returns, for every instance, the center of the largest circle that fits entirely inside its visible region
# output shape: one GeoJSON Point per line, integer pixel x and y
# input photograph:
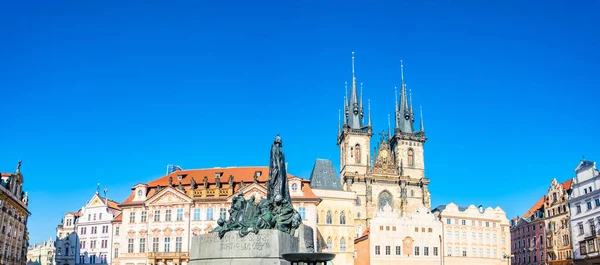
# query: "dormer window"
{"type": "Point", "coordinates": [257, 173]}
{"type": "Point", "coordinates": [219, 174]}
{"type": "Point", "coordinates": [139, 193]}
{"type": "Point", "coordinates": [295, 187]}
{"type": "Point", "coordinates": [179, 177]}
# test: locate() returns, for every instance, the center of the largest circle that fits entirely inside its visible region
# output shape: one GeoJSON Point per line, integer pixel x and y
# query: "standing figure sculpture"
{"type": "Point", "coordinates": [277, 184]}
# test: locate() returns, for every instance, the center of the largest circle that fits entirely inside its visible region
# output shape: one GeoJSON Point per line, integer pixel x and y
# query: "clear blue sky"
{"type": "Point", "coordinates": [112, 92]}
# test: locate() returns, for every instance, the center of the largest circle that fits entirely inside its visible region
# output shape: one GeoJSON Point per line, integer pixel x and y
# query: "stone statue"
{"type": "Point", "coordinates": [241, 184]}
{"type": "Point", "coordinates": [403, 192]}
{"type": "Point", "coordinates": [181, 186]}
{"type": "Point", "coordinates": [171, 181]}
{"type": "Point", "coordinates": [205, 182]}
{"type": "Point", "coordinates": [26, 198]}
{"type": "Point", "coordinates": [158, 188]}
{"type": "Point", "coordinates": [277, 184]}
{"type": "Point", "coordinates": [274, 212]}
{"type": "Point", "coordinates": [255, 178]}
{"type": "Point", "coordinates": [230, 181]}
{"type": "Point", "coordinates": [193, 183]}
{"type": "Point", "coordinates": [19, 165]}
{"type": "Point", "coordinates": [218, 181]}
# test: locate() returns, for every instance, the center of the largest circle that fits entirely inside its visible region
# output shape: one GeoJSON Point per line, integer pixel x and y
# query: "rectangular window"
{"type": "Point", "coordinates": [377, 250]}
{"type": "Point", "coordinates": [196, 214]}
{"type": "Point", "coordinates": [398, 251]}
{"type": "Point", "coordinates": [132, 217]}
{"type": "Point", "coordinates": [417, 251]}
{"type": "Point", "coordinates": [302, 211]}
{"type": "Point", "coordinates": [104, 243]}
{"type": "Point", "coordinates": [144, 216]}
{"type": "Point", "coordinates": [597, 202]}
{"type": "Point", "coordinates": [223, 214]}
{"type": "Point", "coordinates": [589, 205]}
{"type": "Point", "coordinates": [388, 250]}
{"type": "Point", "coordinates": [130, 245]}
{"type": "Point", "coordinates": [180, 214]}
{"type": "Point", "coordinates": [448, 221]}
{"type": "Point", "coordinates": [449, 251]}
{"type": "Point", "coordinates": [167, 244]}
{"type": "Point", "coordinates": [117, 231]}
{"type": "Point", "coordinates": [116, 255]}
{"type": "Point", "coordinates": [578, 208]}
{"type": "Point", "coordinates": [155, 244]}
{"type": "Point", "coordinates": [464, 252]}
{"type": "Point", "coordinates": [156, 216]}
{"type": "Point", "coordinates": [82, 244]}
{"type": "Point", "coordinates": [487, 224]}
{"type": "Point", "coordinates": [168, 215]}
{"type": "Point", "coordinates": [178, 241]}
{"type": "Point", "coordinates": [474, 250]}
{"type": "Point", "coordinates": [464, 222]}
{"type": "Point", "coordinates": [209, 214]}
{"type": "Point", "coordinates": [580, 228]}
{"type": "Point", "coordinates": [435, 251]}
{"type": "Point", "coordinates": [456, 236]}
{"type": "Point", "coordinates": [93, 244]}
{"type": "Point", "coordinates": [426, 250]}
{"type": "Point", "coordinates": [142, 245]}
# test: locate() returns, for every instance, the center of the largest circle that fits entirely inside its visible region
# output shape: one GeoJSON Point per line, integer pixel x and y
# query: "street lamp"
{"type": "Point", "coordinates": [508, 257]}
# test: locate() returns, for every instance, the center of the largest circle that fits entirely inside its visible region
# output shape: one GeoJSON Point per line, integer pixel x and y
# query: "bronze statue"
{"type": "Point", "coordinates": [275, 212]}
{"type": "Point", "coordinates": [19, 165]}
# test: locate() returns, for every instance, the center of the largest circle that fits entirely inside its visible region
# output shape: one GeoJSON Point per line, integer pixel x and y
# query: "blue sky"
{"type": "Point", "coordinates": [111, 92]}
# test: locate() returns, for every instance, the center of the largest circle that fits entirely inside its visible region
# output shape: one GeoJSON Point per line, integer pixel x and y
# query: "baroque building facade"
{"type": "Point", "coordinates": [397, 174]}
{"type": "Point", "coordinates": [472, 235]}
{"type": "Point", "coordinates": [395, 239]}
{"type": "Point", "coordinates": [159, 218]}
{"type": "Point", "coordinates": [13, 218]}
{"type": "Point", "coordinates": [584, 203]}
{"type": "Point", "coordinates": [41, 253]}
{"type": "Point", "coordinates": [66, 239]}
{"type": "Point", "coordinates": [335, 231]}
{"type": "Point", "coordinates": [559, 249]}
{"type": "Point", "coordinates": [528, 236]}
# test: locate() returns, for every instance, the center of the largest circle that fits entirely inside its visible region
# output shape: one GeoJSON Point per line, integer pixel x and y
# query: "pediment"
{"type": "Point", "coordinates": [259, 191]}
{"type": "Point", "coordinates": [167, 196]}
{"type": "Point", "coordinates": [95, 201]}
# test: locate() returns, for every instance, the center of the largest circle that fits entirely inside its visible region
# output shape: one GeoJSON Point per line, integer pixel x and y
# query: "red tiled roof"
{"type": "Point", "coordinates": [534, 208]}
{"type": "Point", "coordinates": [119, 218]}
{"type": "Point", "coordinates": [245, 174]}
{"type": "Point", "coordinates": [366, 232]}
{"type": "Point", "coordinates": [567, 184]}
{"type": "Point", "coordinates": [4, 174]}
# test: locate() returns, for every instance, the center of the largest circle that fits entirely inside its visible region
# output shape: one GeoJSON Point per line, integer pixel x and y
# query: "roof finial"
{"type": "Point", "coordinates": [346, 96]}
{"type": "Point", "coordinates": [361, 94]}
{"type": "Point", "coordinates": [98, 189]}
{"type": "Point", "coordinates": [345, 111]}
{"type": "Point", "coordinates": [353, 77]}
{"type": "Point", "coordinates": [19, 166]}
{"type": "Point", "coordinates": [422, 124]}
{"type": "Point", "coordinates": [396, 97]}
{"type": "Point", "coordinates": [410, 97]}
{"type": "Point", "coordinates": [402, 72]}
{"type": "Point", "coordinates": [369, 102]}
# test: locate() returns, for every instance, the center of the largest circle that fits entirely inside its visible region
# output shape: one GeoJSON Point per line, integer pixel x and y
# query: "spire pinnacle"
{"type": "Point", "coordinates": [339, 121]}
{"type": "Point", "coordinates": [346, 97]}
{"type": "Point", "coordinates": [369, 102]}
{"type": "Point", "coordinates": [410, 98]}
{"type": "Point", "coordinates": [389, 126]}
{"type": "Point", "coordinates": [402, 72]}
{"type": "Point", "coordinates": [422, 124]}
{"type": "Point", "coordinates": [345, 110]}
{"type": "Point", "coordinates": [361, 94]}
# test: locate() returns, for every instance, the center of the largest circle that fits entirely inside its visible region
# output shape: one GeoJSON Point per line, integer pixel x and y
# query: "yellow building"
{"type": "Point", "coordinates": [335, 223]}
{"type": "Point", "coordinates": [13, 218]}
{"type": "Point", "coordinates": [41, 253]}
{"type": "Point", "coordinates": [472, 235]}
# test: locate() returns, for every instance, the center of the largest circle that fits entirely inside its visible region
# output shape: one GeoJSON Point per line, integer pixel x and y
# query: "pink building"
{"type": "Point", "coordinates": [527, 237]}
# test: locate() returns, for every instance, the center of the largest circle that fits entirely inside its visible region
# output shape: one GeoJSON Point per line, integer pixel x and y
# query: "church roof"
{"type": "Point", "coordinates": [323, 176]}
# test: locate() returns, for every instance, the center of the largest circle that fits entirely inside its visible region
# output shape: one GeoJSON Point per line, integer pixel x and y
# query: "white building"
{"type": "Point", "coordinates": [584, 203]}
{"type": "Point", "coordinates": [66, 239]}
{"type": "Point", "coordinates": [41, 253]}
{"type": "Point", "coordinates": [86, 236]}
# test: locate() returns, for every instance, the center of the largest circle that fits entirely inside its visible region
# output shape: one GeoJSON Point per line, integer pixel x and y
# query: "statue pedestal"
{"type": "Point", "coordinates": [264, 248]}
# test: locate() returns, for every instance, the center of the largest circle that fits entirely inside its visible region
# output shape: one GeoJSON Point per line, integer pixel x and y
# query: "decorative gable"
{"type": "Point", "coordinates": [169, 196]}
{"type": "Point", "coordinates": [95, 201]}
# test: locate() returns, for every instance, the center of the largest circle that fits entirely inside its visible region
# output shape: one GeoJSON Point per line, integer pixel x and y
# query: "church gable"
{"type": "Point", "coordinates": [168, 196]}
{"type": "Point", "coordinates": [95, 201]}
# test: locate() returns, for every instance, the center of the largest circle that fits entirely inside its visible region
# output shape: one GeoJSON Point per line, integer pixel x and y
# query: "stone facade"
{"type": "Point", "coordinates": [584, 203]}
{"type": "Point", "coordinates": [395, 239]}
{"type": "Point", "coordinates": [13, 218]}
{"type": "Point", "coordinates": [472, 235]}
{"type": "Point", "coordinates": [159, 218]}
{"type": "Point", "coordinates": [335, 228]}
{"type": "Point", "coordinates": [41, 253]}
{"type": "Point", "coordinates": [557, 226]}
{"type": "Point", "coordinates": [67, 239]}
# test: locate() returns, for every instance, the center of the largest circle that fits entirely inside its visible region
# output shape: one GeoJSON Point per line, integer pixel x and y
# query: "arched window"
{"type": "Point", "coordinates": [357, 153]}
{"type": "Point", "coordinates": [357, 201]}
{"type": "Point", "coordinates": [351, 151]}
{"type": "Point", "coordinates": [329, 244]}
{"type": "Point", "coordinates": [411, 159]}
{"type": "Point", "coordinates": [385, 198]}
{"type": "Point", "coordinates": [343, 244]}
{"type": "Point", "coordinates": [295, 187]}
{"type": "Point", "coordinates": [343, 218]}
{"type": "Point", "coordinates": [329, 218]}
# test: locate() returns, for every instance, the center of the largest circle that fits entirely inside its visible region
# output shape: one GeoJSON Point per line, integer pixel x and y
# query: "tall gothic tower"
{"type": "Point", "coordinates": [354, 137]}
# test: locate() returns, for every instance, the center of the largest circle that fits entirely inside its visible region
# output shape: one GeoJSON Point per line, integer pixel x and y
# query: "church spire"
{"type": "Point", "coordinates": [354, 110]}
{"type": "Point", "coordinates": [369, 102]}
{"type": "Point", "coordinates": [404, 117]}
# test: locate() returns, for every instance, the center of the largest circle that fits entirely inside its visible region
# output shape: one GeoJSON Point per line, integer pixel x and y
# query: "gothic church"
{"type": "Point", "coordinates": [397, 174]}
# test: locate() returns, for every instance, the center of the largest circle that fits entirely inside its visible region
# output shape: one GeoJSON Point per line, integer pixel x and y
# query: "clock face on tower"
{"type": "Point", "coordinates": [383, 154]}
